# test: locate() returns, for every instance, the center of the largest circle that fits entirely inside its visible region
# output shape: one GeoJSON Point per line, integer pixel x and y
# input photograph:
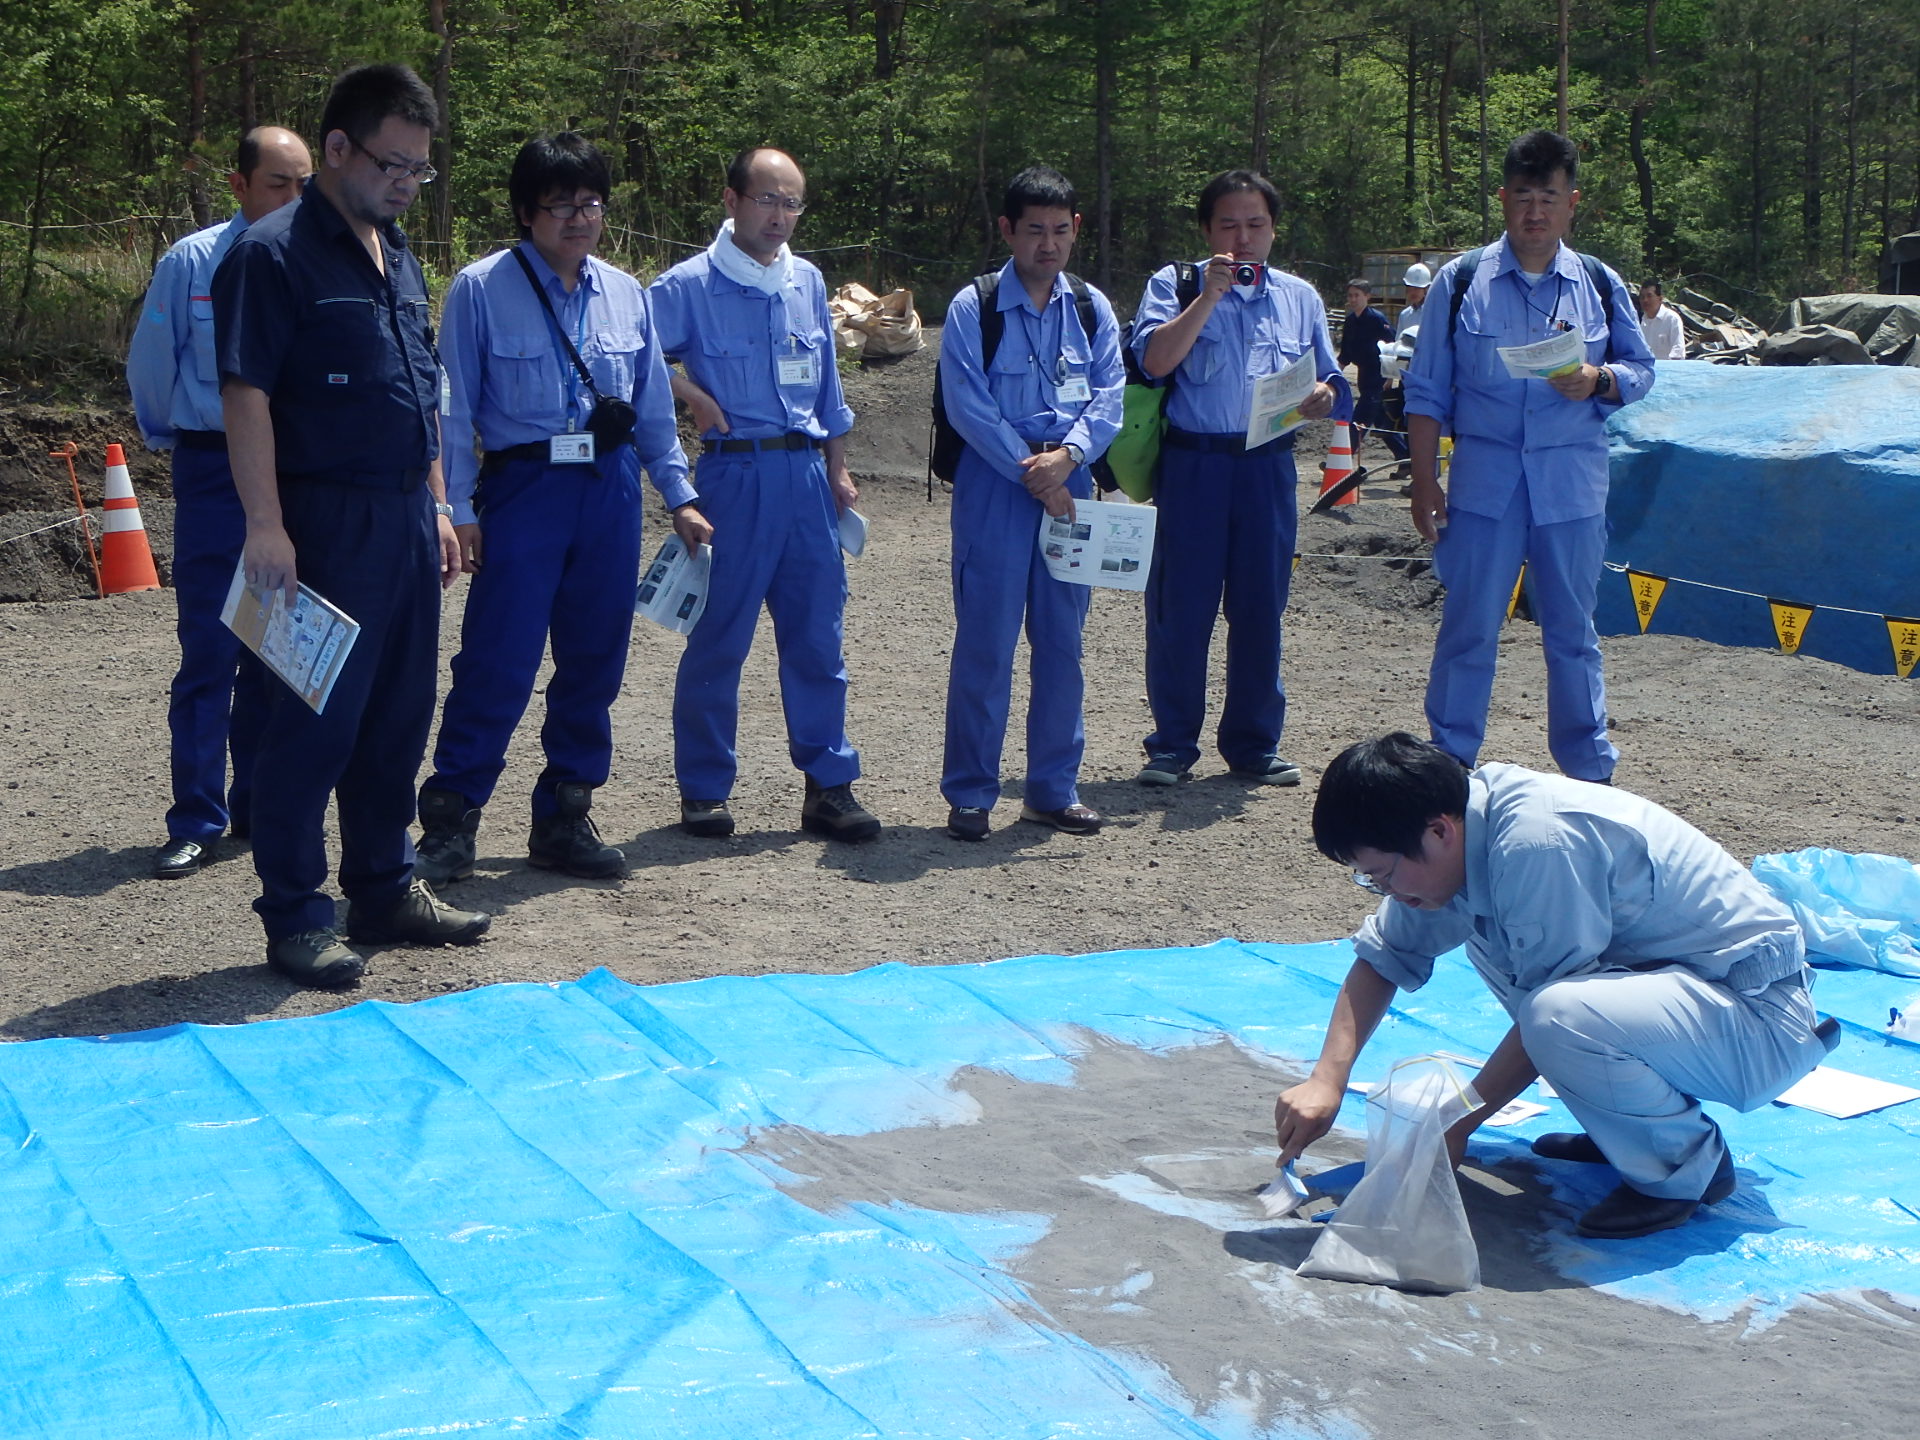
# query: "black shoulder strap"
{"type": "Point", "coordinates": [1597, 273]}
{"type": "Point", "coordinates": [1468, 263]}
{"type": "Point", "coordinates": [1186, 284]}
{"type": "Point", "coordinates": [558, 329]}
{"type": "Point", "coordinates": [1083, 302]}
{"type": "Point", "coordinates": [1463, 272]}
{"type": "Point", "coordinates": [993, 321]}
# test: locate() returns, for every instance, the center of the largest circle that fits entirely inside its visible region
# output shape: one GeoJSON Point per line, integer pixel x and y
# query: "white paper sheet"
{"type": "Point", "coordinates": [1842, 1094]}
{"type": "Point", "coordinates": [1544, 359]}
{"type": "Point", "coordinates": [673, 591]}
{"type": "Point", "coordinates": [306, 646]}
{"type": "Point", "coordinates": [853, 532]}
{"type": "Point", "coordinates": [1276, 401]}
{"type": "Point", "coordinates": [1106, 543]}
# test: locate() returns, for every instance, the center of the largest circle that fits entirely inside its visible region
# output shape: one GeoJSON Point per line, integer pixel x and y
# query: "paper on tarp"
{"type": "Point", "coordinates": [869, 326]}
{"type": "Point", "coordinates": [673, 592]}
{"type": "Point", "coordinates": [1856, 909]}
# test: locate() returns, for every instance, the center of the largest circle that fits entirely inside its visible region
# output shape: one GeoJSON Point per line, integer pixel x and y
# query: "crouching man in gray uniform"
{"type": "Point", "coordinates": [1645, 969]}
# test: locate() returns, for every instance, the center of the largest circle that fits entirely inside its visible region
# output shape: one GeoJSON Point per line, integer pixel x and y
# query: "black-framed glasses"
{"type": "Point", "coordinates": [397, 169]}
{"type": "Point", "coordinates": [791, 204]}
{"type": "Point", "coordinates": [591, 210]}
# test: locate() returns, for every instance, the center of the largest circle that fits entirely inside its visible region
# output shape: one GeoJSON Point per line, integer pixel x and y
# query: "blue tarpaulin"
{"type": "Point", "coordinates": [533, 1209]}
{"type": "Point", "coordinates": [1738, 485]}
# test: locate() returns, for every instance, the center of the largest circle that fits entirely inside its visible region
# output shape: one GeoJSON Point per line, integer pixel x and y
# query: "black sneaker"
{"type": "Point", "coordinates": [1269, 770]}
{"type": "Point", "coordinates": [1070, 819]}
{"type": "Point", "coordinates": [419, 919]}
{"type": "Point", "coordinates": [568, 839]}
{"type": "Point", "coordinates": [315, 958]}
{"type": "Point", "coordinates": [709, 819]}
{"type": "Point", "coordinates": [833, 812]}
{"type": "Point", "coordinates": [1163, 769]}
{"type": "Point", "coordinates": [178, 859]}
{"type": "Point", "coordinates": [449, 834]}
{"type": "Point", "coordinates": [1627, 1214]}
{"type": "Point", "coordinates": [968, 822]}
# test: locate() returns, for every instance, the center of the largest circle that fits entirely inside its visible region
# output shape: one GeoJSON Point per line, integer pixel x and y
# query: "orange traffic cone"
{"type": "Point", "coordinates": [1339, 463]}
{"type": "Point", "coordinates": [126, 562]}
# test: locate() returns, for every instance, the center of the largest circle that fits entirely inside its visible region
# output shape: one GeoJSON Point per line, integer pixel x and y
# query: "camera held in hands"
{"type": "Point", "coordinates": [1246, 274]}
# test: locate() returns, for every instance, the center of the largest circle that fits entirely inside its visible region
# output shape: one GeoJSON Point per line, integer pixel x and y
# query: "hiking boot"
{"type": "Point", "coordinates": [1269, 770]}
{"type": "Point", "coordinates": [315, 958]}
{"type": "Point", "coordinates": [448, 833]}
{"type": "Point", "coordinates": [568, 840]}
{"type": "Point", "coordinates": [1163, 769]}
{"type": "Point", "coordinates": [1070, 819]}
{"type": "Point", "coordinates": [967, 822]}
{"type": "Point", "coordinates": [417, 919]}
{"type": "Point", "coordinates": [833, 812]}
{"type": "Point", "coordinates": [709, 819]}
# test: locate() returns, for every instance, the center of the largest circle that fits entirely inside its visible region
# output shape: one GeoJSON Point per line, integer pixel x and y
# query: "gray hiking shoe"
{"type": "Point", "coordinates": [315, 958]}
{"type": "Point", "coordinates": [832, 811]}
{"type": "Point", "coordinates": [449, 836]}
{"type": "Point", "coordinates": [568, 839]}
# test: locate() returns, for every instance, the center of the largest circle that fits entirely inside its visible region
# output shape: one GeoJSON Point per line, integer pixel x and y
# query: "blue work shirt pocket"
{"type": "Point", "coordinates": [520, 375]}
{"type": "Point", "coordinates": [345, 355]}
{"type": "Point", "coordinates": [1203, 360]}
{"type": "Point", "coordinates": [1476, 351]}
{"type": "Point", "coordinates": [727, 364]}
{"type": "Point", "coordinates": [1010, 379]}
{"type": "Point", "coordinates": [613, 356]}
{"type": "Point", "coordinates": [206, 359]}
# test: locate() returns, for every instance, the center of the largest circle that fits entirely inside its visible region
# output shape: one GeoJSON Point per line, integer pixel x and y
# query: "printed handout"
{"type": "Point", "coordinates": [673, 591]}
{"type": "Point", "coordinates": [853, 532]}
{"type": "Point", "coordinates": [1106, 543]}
{"type": "Point", "coordinates": [1558, 354]}
{"type": "Point", "coordinates": [1277, 399]}
{"type": "Point", "coordinates": [306, 646]}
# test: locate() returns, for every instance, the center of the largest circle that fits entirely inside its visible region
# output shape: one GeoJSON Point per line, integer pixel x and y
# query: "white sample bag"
{"type": "Point", "coordinates": [1404, 1225]}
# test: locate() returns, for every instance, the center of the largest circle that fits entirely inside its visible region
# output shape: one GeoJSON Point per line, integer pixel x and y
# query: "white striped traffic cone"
{"type": "Point", "coordinates": [126, 561]}
{"type": "Point", "coordinates": [1339, 463]}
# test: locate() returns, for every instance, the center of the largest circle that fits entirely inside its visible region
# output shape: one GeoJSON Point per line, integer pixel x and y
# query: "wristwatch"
{"type": "Point", "coordinates": [440, 507]}
{"type": "Point", "coordinates": [1603, 384]}
{"type": "Point", "coordinates": [1075, 453]}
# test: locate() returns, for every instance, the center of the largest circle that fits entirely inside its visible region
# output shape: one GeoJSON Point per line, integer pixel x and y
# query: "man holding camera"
{"type": "Point", "coordinates": [747, 320]}
{"type": "Point", "coordinates": [1227, 514]}
{"type": "Point", "coordinates": [552, 362]}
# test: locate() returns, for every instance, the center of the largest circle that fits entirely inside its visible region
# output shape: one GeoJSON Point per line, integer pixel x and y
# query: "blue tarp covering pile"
{"type": "Point", "coordinates": [531, 1210]}
{"type": "Point", "coordinates": [1738, 485]}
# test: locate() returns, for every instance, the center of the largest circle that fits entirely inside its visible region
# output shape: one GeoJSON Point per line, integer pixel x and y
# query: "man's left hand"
{"type": "Point", "coordinates": [1577, 384]}
{"type": "Point", "coordinates": [451, 560]}
{"type": "Point", "coordinates": [845, 492]}
{"type": "Point", "coordinates": [693, 528]}
{"type": "Point", "coordinates": [1319, 403]}
{"type": "Point", "coordinates": [1049, 470]}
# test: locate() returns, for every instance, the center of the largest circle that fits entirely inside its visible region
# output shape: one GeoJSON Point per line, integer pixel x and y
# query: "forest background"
{"type": "Point", "coordinates": [1754, 149]}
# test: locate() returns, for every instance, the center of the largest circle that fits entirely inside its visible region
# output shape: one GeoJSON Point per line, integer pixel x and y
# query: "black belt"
{"type": "Point", "coordinates": [532, 450]}
{"type": "Point", "coordinates": [1219, 444]}
{"type": "Point", "coordinates": [401, 480]}
{"type": "Point", "coordinates": [1041, 447]}
{"type": "Point", "coordinates": [792, 440]}
{"type": "Point", "coordinates": [200, 439]}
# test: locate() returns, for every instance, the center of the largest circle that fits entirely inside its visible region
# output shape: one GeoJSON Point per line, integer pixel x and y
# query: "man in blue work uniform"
{"type": "Point", "coordinates": [1529, 474]}
{"type": "Point", "coordinates": [1645, 968]}
{"type": "Point", "coordinates": [551, 534]}
{"type": "Point", "coordinates": [218, 697]}
{"type": "Point", "coordinates": [330, 391]}
{"type": "Point", "coordinates": [1048, 407]}
{"type": "Point", "coordinates": [747, 320]}
{"type": "Point", "coordinates": [1227, 514]}
{"type": "Point", "coordinates": [1360, 336]}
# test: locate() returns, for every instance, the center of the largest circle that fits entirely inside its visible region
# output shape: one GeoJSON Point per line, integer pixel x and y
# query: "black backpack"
{"type": "Point", "coordinates": [944, 443]}
{"type": "Point", "coordinates": [1465, 266]}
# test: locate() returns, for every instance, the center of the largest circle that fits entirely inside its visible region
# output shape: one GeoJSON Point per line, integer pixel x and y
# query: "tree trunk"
{"type": "Point", "coordinates": [1103, 87]}
{"type": "Point", "coordinates": [1848, 222]}
{"type": "Point", "coordinates": [1480, 56]}
{"type": "Point", "coordinates": [440, 219]}
{"type": "Point", "coordinates": [1560, 92]}
{"type": "Point", "coordinates": [1443, 117]}
{"type": "Point", "coordinates": [886, 23]}
{"type": "Point", "coordinates": [249, 82]}
{"type": "Point", "coordinates": [1262, 87]}
{"type": "Point", "coordinates": [1650, 246]}
{"type": "Point", "coordinates": [1409, 167]}
{"type": "Point", "coordinates": [196, 135]}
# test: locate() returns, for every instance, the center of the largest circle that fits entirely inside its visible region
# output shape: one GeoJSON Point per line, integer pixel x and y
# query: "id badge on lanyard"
{"type": "Point", "coordinates": [795, 368]}
{"type": "Point", "coordinates": [576, 447]}
{"type": "Point", "coordinates": [1069, 389]}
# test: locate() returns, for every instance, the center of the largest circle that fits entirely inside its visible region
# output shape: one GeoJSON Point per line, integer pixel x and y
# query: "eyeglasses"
{"type": "Point", "coordinates": [788, 203]}
{"type": "Point", "coordinates": [1383, 886]}
{"type": "Point", "coordinates": [592, 210]}
{"type": "Point", "coordinates": [397, 169]}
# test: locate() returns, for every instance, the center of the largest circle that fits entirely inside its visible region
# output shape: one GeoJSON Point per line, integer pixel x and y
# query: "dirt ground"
{"type": "Point", "coordinates": [1765, 752]}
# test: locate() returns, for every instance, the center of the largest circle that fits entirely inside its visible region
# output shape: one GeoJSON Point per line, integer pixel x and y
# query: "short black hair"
{"type": "Point", "coordinates": [740, 168]}
{"type": "Point", "coordinates": [567, 162]}
{"type": "Point", "coordinates": [1226, 183]}
{"type": "Point", "coordinates": [1655, 286]}
{"type": "Point", "coordinates": [1039, 186]}
{"type": "Point", "coordinates": [1364, 286]}
{"type": "Point", "coordinates": [1380, 794]}
{"type": "Point", "coordinates": [367, 96]}
{"type": "Point", "coordinates": [1536, 155]}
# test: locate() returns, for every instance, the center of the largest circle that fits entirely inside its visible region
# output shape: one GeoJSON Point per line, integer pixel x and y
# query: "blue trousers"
{"type": "Point", "coordinates": [999, 579]}
{"type": "Point", "coordinates": [776, 541]}
{"type": "Point", "coordinates": [1226, 529]}
{"type": "Point", "coordinates": [559, 559]}
{"type": "Point", "coordinates": [218, 699]}
{"type": "Point", "coordinates": [1478, 560]}
{"type": "Point", "coordinates": [372, 552]}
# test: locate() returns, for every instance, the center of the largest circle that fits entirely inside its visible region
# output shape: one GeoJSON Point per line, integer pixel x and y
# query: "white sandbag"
{"type": "Point", "coordinates": [1404, 1225]}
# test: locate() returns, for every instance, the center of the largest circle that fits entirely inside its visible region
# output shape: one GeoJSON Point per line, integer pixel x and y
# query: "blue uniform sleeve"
{"type": "Point", "coordinates": [1159, 303]}
{"type": "Point", "coordinates": [463, 351]}
{"type": "Point", "coordinates": [971, 407]}
{"type": "Point", "coordinates": [1632, 363]}
{"type": "Point", "coordinates": [830, 405]}
{"type": "Point", "coordinates": [1552, 900]}
{"type": "Point", "coordinates": [1400, 942]}
{"type": "Point", "coordinates": [1328, 367]}
{"type": "Point", "coordinates": [160, 339]}
{"type": "Point", "coordinates": [655, 437]}
{"type": "Point", "coordinates": [1429, 376]}
{"type": "Point", "coordinates": [672, 325]}
{"type": "Point", "coordinates": [1100, 421]}
{"type": "Point", "coordinates": [253, 320]}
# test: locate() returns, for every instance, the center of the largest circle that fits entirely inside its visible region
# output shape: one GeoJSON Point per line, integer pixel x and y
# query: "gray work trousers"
{"type": "Point", "coordinates": [1634, 1052]}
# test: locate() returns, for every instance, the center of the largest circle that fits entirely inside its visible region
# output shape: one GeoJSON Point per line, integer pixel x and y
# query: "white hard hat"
{"type": "Point", "coordinates": [1418, 276]}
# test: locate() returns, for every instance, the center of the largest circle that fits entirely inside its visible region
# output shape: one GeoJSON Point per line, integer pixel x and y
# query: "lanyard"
{"type": "Point", "coordinates": [573, 353]}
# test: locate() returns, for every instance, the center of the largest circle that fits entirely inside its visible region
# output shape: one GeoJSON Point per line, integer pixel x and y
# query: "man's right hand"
{"type": "Point", "coordinates": [706, 411]}
{"type": "Point", "coordinates": [470, 546]}
{"type": "Point", "coordinates": [1429, 507]}
{"type": "Point", "coordinates": [1303, 1114]}
{"type": "Point", "coordinates": [1219, 277]}
{"type": "Point", "coordinates": [268, 556]}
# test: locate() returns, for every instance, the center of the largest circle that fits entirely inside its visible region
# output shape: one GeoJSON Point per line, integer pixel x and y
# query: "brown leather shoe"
{"type": "Point", "coordinates": [1072, 819]}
